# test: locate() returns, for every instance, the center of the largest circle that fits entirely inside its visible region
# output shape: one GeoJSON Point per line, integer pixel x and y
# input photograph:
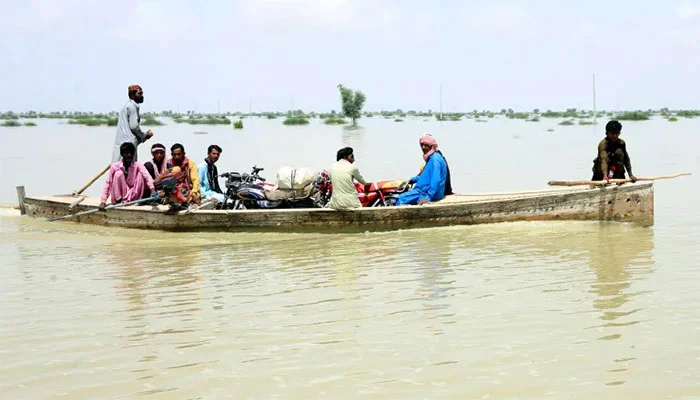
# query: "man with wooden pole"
{"type": "Point", "coordinates": [128, 125]}
{"type": "Point", "coordinates": [128, 130]}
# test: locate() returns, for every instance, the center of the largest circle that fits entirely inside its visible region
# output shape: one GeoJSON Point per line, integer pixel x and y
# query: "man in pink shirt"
{"type": "Point", "coordinates": [127, 180]}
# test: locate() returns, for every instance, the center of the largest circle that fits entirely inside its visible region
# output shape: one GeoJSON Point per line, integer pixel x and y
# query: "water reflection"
{"type": "Point", "coordinates": [430, 254]}
{"type": "Point", "coordinates": [162, 290]}
{"type": "Point", "coordinates": [354, 136]}
{"type": "Point", "coordinates": [618, 256]}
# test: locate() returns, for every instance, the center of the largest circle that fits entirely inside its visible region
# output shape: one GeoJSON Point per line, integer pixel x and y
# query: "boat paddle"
{"type": "Point", "coordinates": [91, 181]}
{"type": "Point", "coordinates": [113, 206]}
{"type": "Point", "coordinates": [96, 177]}
{"type": "Point", "coordinates": [195, 208]}
{"type": "Point", "coordinates": [606, 182]}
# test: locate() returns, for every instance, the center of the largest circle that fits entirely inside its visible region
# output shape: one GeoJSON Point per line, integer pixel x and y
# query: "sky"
{"type": "Point", "coordinates": [276, 55]}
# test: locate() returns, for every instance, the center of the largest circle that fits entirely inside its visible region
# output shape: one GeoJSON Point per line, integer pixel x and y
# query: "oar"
{"type": "Point", "coordinates": [91, 181]}
{"type": "Point", "coordinates": [113, 206]}
{"type": "Point", "coordinates": [195, 208]}
{"type": "Point", "coordinates": [605, 182]}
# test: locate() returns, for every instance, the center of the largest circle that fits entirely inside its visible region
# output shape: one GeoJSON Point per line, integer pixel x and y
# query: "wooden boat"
{"type": "Point", "coordinates": [632, 203]}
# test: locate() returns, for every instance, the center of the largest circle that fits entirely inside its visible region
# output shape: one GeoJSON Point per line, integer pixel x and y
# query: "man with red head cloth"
{"type": "Point", "coordinates": [128, 128]}
{"type": "Point", "coordinates": [430, 182]}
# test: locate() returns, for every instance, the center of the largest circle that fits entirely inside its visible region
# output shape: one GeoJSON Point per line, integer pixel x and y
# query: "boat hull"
{"type": "Point", "coordinates": [633, 203]}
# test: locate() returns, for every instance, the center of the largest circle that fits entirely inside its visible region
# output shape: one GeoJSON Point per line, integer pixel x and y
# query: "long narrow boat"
{"type": "Point", "coordinates": [632, 203]}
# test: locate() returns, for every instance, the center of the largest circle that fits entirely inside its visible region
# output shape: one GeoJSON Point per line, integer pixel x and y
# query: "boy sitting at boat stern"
{"type": "Point", "coordinates": [612, 159]}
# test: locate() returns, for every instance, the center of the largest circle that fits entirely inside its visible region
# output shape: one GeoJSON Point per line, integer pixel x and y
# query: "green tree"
{"type": "Point", "coordinates": [352, 102]}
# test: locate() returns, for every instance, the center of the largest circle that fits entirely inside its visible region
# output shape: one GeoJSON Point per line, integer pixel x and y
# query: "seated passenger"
{"type": "Point", "coordinates": [127, 180]}
{"type": "Point", "coordinates": [430, 182]}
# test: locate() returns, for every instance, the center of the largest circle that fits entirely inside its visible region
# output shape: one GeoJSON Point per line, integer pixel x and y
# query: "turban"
{"type": "Point", "coordinates": [426, 138]}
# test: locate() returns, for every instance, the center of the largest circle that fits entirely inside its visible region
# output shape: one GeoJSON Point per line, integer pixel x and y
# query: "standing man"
{"type": "Point", "coordinates": [612, 159]}
{"type": "Point", "coordinates": [128, 128]}
{"type": "Point", "coordinates": [209, 176]}
{"type": "Point", "coordinates": [343, 172]}
{"type": "Point", "coordinates": [430, 182]}
{"type": "Point", "coordinates": [180, 162]}
{"type": "Point", "coordinates": [127, 180]}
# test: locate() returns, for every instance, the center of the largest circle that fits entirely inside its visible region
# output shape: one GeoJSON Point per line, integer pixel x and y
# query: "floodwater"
{"type": "Point", "coordinates": [516, 310]}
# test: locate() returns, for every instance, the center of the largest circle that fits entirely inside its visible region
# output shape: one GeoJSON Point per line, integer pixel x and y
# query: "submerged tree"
{"type": "Point", "coordinates": [352, 102]}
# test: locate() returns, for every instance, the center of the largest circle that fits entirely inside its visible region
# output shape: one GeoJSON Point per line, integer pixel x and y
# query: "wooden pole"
{"type": "Point", "coordinates": [605, 182]}
{"type": "Point", "coordinates": [94, 210]}
{"type": "Point", "coordinates": [76, 201]}
{"type": "Point", "coordinates": [441, 102]}
{"type": "Point", "coordinates": [91, 181]}
{"type": "Point", "coordinates": [594, 110]}
{"type": "Point", "coordinates": [20, 198]}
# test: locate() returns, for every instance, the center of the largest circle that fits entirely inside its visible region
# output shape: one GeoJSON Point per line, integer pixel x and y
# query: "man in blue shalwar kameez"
{"type": "Point", "coordinates": [430, 182]}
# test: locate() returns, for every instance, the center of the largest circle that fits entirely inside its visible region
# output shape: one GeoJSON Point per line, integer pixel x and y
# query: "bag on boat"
{"type": "Point", "coordinates": [295, 178]}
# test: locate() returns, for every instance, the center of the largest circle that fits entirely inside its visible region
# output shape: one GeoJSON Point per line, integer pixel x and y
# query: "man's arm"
{"type": "Point", "coordinates": [433, 168]}
{"type": "Point", "coordinates": [627, 161]}
{"type": "Point", "coordinates": [203, 179]}
{"type": "Point", "coordinates": [358, 177]}
{"type": "Point", "coordinates": [150, 169]}
{"type": "Point", "coordinates": [603, 157]}
{"type": "Point", "coordinates": [107, 188]}
{"type": "Point", "coordinates": [149, 180]}
{"type": "Point", "coordinates": [194, 177]}
{"type": "Point", "coordinates": [134, 123]}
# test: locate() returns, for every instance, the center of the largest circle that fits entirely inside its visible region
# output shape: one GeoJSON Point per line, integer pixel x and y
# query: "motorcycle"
{"type": "Point", "coordinates": [250, 191]}
{"type": "Point", "coordinates": [174, 187]}
{"type": "Point", "coordinates": [379, 194]}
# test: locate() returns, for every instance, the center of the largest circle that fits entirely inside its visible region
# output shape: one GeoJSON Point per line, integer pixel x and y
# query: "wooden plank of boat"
{"type": "Point", "coordinates": [626, 203]}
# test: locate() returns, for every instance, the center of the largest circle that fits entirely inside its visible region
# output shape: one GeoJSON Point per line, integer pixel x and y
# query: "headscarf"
{"type": "Point", "coordinates": [428, 139]}
{"type": "Point", "coordinates": [182, 168]}
{"type": "Point", "coordinates": [161, 169]}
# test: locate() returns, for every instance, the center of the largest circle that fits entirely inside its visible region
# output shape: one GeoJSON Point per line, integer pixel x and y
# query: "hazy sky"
{"type": "Point", "coordinates": [82, 55]}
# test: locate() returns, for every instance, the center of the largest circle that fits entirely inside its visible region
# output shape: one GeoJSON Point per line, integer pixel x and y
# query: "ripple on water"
{"type": "Point", "coordinates": [525, 309]}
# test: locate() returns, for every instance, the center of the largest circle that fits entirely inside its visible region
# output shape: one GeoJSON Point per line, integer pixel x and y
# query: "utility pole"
{"type": "Point", "coordinates": [594, 108]}
{"type": "Point", "coordinates": [441, 102]}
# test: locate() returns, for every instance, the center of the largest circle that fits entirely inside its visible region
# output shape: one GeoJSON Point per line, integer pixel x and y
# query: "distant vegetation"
{"type": "Point", "coordinates": [449, 116]}
{"type": "Point", "coordinates": [94, 121]}
{"type": "Point", "coordinates": [633, 116]}
{"type": "Point", "coordinates": [296, 120]}
{"type": "Point", "coordinates": [352, 103]}
{"type": "Point", "coordinates": [207, 119]}
{"type": "Point", "coordinates": [334, 121]}
{"type": "Point", "coordinates": [355, 101]}
{"type": "Point", "coordinates": [688, 113]}
{"type": "Point", "coordinates": [150, 120]}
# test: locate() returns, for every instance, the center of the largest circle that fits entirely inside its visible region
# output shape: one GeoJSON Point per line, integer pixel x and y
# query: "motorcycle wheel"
{"type": "Point", "coordinates": [391, 200]}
